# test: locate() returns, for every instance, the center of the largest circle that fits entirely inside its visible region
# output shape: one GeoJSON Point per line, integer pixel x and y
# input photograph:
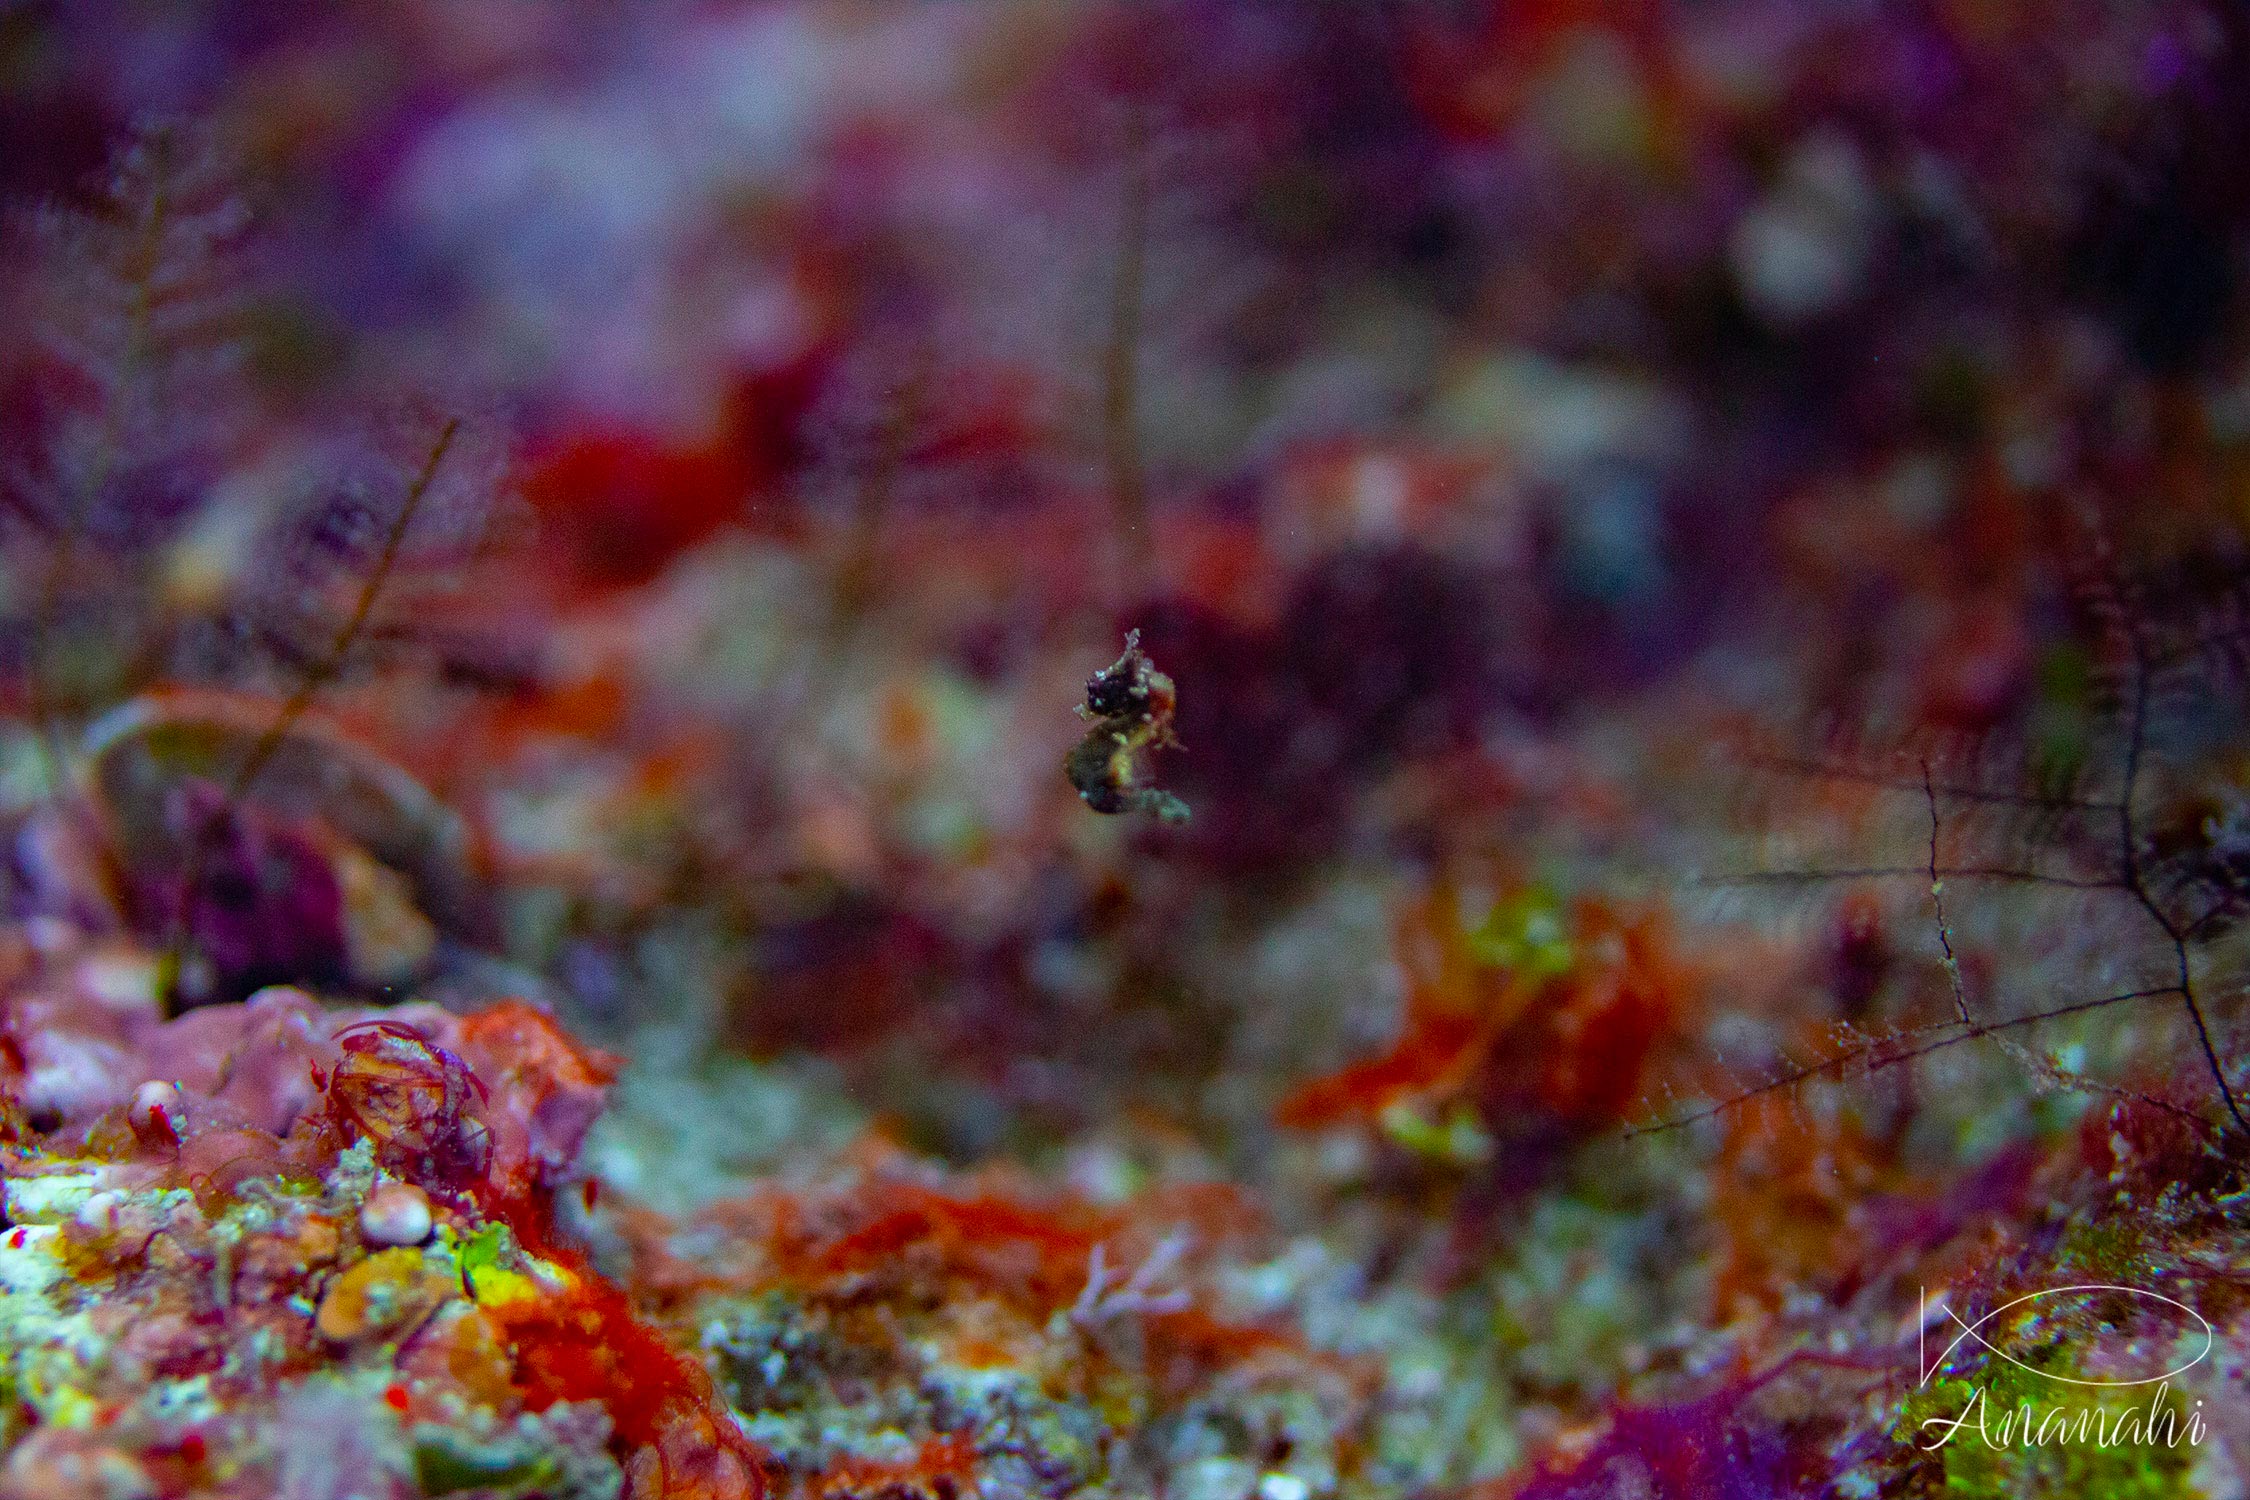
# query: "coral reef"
{"type": "Point", "coordinates": [560, 935]}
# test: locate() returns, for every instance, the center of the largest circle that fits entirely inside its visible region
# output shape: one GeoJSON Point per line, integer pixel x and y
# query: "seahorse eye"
{"type": "Point", "coordinates": [1109, 694]}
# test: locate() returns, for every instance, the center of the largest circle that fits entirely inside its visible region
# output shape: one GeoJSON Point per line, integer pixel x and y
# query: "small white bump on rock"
{"type": "Point", "coordinates": [396, 1213]}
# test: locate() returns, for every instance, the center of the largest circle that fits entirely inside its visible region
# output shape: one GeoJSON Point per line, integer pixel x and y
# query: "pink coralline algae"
{"type": "Point", "coordinates": [1225, 750]}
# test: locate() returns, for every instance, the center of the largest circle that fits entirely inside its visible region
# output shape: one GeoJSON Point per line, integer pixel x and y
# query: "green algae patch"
{"type": "Point", "coordinates": [447, 1463]}
{"type": "Point", "coordinates": [2011, 1432]}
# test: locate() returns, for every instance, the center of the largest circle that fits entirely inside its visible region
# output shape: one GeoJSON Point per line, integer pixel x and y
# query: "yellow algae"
{"type": "Point", "coordinates": [382, 1293]}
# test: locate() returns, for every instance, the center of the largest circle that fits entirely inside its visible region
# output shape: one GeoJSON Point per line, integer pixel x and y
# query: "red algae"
{"type": "Point", "coordinates": [943, 1468]}
{"type": "Point", "coordinates": [546, 1085]}
{"type": "Point", "coordinates": [585, 1343]}
{"type": "Point", "coordinates": [1691, 562]}
{"type": "Point", "coordinates": [1515, 1028]}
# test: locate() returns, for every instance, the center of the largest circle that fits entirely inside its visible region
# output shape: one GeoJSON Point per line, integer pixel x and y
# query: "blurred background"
{"type": "Point", "coordinates": [1583, 465]}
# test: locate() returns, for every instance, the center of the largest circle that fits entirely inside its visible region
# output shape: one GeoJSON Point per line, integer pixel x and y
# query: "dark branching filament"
{"type": "Point", "coordinates": [2119, 865]}
{"type": "Point", "coordinates": [209, 832]}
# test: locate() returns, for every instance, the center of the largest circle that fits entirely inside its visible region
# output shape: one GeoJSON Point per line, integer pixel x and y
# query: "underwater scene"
{"type": "Point", "coordinates": [1124, 749]}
